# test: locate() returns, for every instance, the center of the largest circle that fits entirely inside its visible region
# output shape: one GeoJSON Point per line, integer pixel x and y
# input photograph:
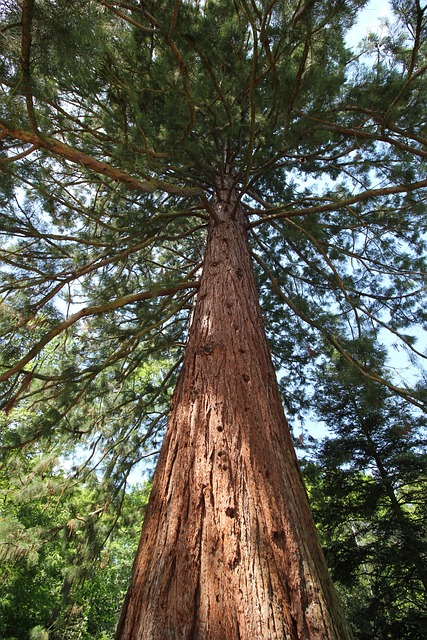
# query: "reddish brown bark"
{"type": "Point", "coordinates": [228, 548]}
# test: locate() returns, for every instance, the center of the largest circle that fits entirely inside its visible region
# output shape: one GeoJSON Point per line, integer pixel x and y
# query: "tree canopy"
{"type": "Point", "coordinates": [117, 119]}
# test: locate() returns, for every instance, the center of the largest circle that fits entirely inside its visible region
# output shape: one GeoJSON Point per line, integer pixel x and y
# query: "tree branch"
{"type": "Point", "coordinates": [92, 311]}
{"type": "Point", "coordinates": [27, 18]}
{"type": "Point", "coordinates": [404, 393]}
{"type": "Point", "coordinates": [339, 204]}
{"type": "Point", "coordinates": [78, 157]}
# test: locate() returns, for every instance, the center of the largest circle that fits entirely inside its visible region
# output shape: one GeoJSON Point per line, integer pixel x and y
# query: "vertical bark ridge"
{"type": "Point", "coordinates": [228, 547]}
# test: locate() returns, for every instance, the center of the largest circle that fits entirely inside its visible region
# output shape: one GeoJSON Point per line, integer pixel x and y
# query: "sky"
{"type": "Point", "coordinates": [369, 20]}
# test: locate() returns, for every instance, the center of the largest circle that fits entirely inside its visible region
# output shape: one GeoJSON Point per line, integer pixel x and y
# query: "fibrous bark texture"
{"type": "Point", "coordinates": [228, 548]}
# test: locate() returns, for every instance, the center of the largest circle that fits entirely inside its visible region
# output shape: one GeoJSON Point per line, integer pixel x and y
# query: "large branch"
{"type": "Point", "coordinates": [78, 157]}
{"type": "Point", "coordinates": [338, 203]}
{"type": "Point", "coordinates": [359, 133]}
{"type": "Point", "coordinates": [92, 311]}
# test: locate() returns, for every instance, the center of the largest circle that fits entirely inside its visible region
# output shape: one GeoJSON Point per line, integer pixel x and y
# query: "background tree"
{"type": "Point", "coordinates": [119, 123]}
{"type": "Point", "coordinates": [369, 498]}
{"type": "Point", "coordinates": [66, 560]}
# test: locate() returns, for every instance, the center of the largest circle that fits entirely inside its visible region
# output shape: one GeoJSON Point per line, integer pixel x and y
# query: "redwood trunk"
{"type": "Point", "coordinates": [228, 548]}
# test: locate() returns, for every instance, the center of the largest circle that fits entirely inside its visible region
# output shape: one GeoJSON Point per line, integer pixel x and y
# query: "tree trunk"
{"type": "Point", "coordinates": [228, 548]}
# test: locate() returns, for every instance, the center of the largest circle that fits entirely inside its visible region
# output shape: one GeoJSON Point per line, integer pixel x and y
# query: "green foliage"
{"type": "Point", "coordinates": [368, 491]}
{"type": "Point", "coordinates": [118, 121]}
{"type": "Point", "coordinates": [66, 559]}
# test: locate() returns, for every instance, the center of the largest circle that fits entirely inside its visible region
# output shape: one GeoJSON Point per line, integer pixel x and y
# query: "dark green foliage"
{"type": "Point", "coordinates": [369, 496]}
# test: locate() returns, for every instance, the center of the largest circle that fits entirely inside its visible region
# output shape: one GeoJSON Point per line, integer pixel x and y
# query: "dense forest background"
{"type": "Point", "coordinates": [102, 235]}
